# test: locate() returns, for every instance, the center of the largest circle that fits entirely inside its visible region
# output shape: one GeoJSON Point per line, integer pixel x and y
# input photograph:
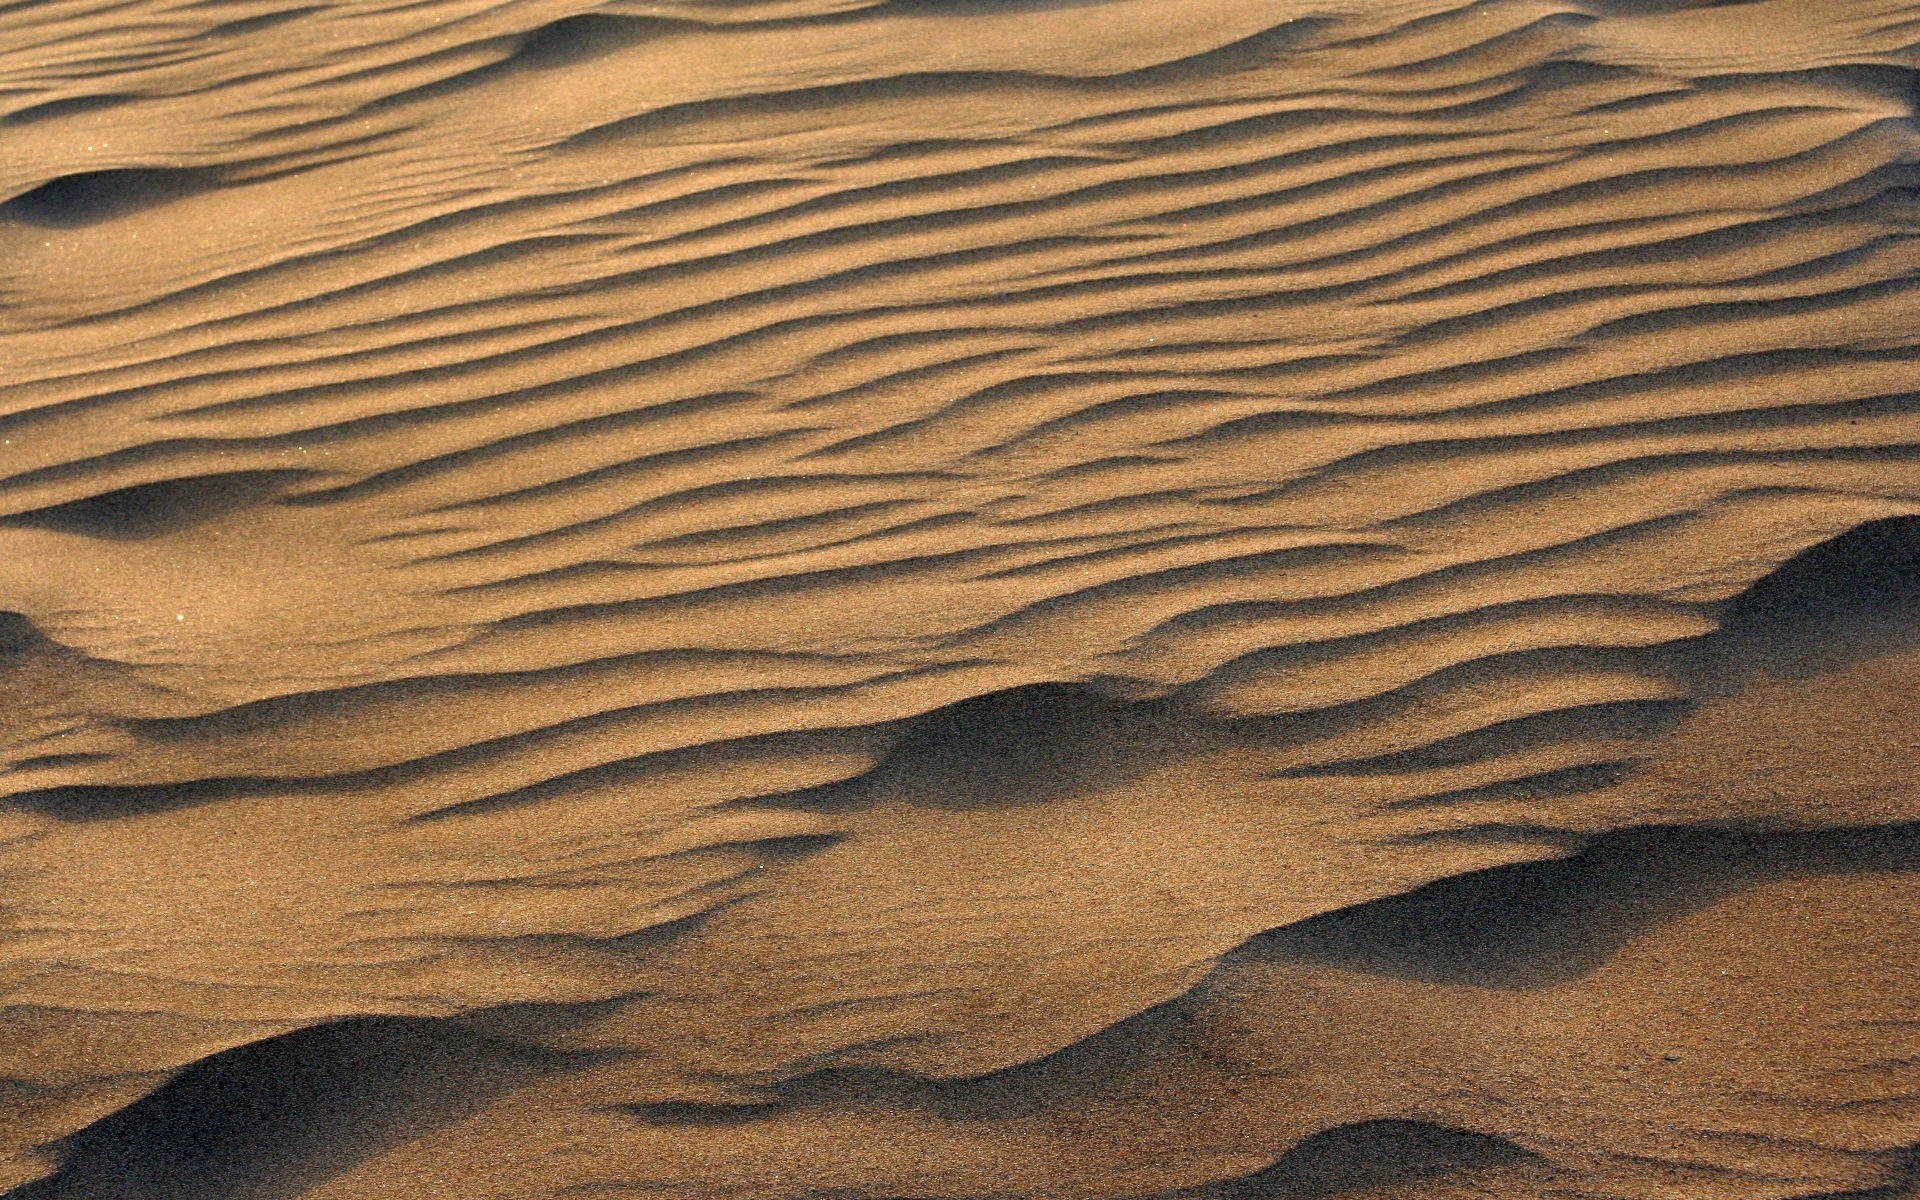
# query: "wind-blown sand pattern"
{"type": "Point", "coordinates": [883, 599]}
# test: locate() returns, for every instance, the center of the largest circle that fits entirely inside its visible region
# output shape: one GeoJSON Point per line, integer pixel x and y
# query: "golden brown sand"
{"type": "Point", "coordinates": [963, 599]}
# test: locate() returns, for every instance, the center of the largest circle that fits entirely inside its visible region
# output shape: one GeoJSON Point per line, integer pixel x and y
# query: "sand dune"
{"type": "Point", "coordinates": [947, 598]}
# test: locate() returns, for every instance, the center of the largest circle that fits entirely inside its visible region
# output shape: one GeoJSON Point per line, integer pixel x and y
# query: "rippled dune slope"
{"type": "Point", "coordinates": [907, 599]}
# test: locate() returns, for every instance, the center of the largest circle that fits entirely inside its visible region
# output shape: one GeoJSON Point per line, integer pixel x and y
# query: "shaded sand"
{"type": "Point", "coordinates": [941, 598]}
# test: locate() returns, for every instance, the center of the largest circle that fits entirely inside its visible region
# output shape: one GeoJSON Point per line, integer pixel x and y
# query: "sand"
{"type": "Point", "coordinates": [961, 599]}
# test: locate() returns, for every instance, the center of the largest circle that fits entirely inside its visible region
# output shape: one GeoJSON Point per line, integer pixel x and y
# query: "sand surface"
{"type": "Point", "coordinates": [959, 599]}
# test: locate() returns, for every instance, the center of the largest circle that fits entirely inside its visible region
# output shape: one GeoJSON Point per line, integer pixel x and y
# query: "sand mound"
{"type": "Point", "coordinates": [946, 598]}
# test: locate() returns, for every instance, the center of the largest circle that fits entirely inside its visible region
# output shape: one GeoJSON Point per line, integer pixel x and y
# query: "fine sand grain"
{"type": "Point", "coordinates": [959, 599]}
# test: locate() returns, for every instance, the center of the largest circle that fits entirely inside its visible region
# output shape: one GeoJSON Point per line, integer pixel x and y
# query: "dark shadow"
{"type": "Point", "coordinates": [587, 36]}
{"type": "Point", "coordinates": [1038, 744]}
{"type": "Point", "coordinates": [1869, 569]}
{"type": "Point", "coordinates": [19, 637]}
{"type": "Point", "coordinates": [154, 509]}
{"type": "Point", "coordinates": [1028, 745]}
{"type": "Point", "coordinates": [1905, 1186]}
{"type": "Point", "coordinates": [1367, 1156]}
{"type": "Point", "coordinates": [1853, 597]}
{"type": "Point", "coordinates": [91, 197]}
{"type": "Point", "coordinates": [274, 1118]}
{"type": "Point", "coordinates": [110, 802]}
{"type": "Point", "coordinates": [1544, 923]}
{"type": "Point", "coordinates": [68, 107]}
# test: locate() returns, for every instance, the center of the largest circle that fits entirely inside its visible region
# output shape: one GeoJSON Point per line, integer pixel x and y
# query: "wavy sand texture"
{"type": "Point", "coordinates": [959, 598]}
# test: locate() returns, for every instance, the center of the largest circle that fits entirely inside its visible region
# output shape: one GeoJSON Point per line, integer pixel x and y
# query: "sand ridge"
{"type": "Point", "coordinates": [802, 591]}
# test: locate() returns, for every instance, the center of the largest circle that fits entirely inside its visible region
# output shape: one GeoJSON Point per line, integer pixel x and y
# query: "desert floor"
{"type": "Point", "coordinates": [959, 599]}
